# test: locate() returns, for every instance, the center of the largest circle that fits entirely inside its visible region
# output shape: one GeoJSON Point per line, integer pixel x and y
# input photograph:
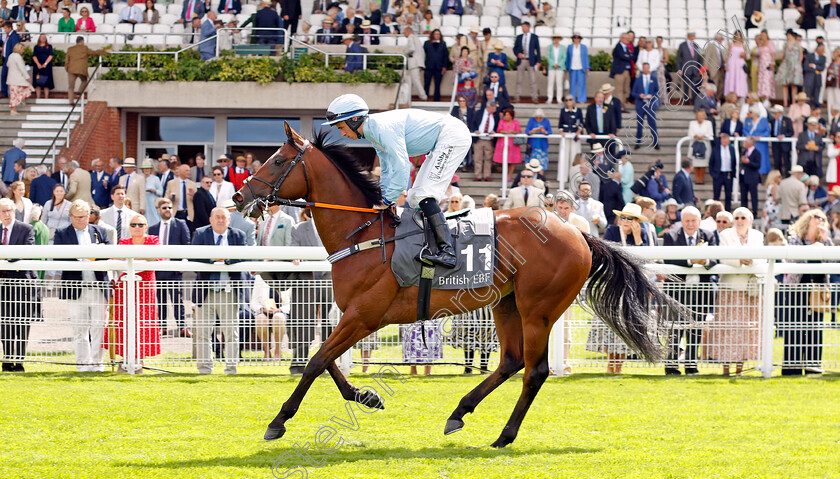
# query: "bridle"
{"type": "Point", "coordinates": [271, 198]}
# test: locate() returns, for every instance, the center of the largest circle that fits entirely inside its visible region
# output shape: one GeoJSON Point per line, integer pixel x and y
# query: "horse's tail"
{"type": "Point", "coordinates": [620, 293]}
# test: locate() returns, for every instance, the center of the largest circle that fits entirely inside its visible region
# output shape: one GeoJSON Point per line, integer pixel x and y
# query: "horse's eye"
{"type": "Point", "coordinates": [278, 161]}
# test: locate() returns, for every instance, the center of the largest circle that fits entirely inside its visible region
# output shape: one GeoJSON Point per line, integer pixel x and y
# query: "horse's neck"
{"type": "Point", "coordinates": [335, 225]}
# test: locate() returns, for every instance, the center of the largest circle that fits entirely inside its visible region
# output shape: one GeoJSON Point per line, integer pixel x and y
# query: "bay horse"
{"type": "Point", "coordinates": [536, 279]}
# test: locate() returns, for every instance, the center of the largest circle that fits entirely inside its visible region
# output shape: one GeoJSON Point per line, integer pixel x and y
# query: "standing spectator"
{"type": "Point", "coordinates": [577, 64]}
{"type": "Point", "coordinates": [698, 298]}
{"type": "Point", "coordinates": [56, 211]}
{"type": "Point", "coordinates": [11, 157]}
{"type": "Point", "coordinates": [736, 75]}
{"type": "Point", "coordinates": [60, 175]}
{"type": "Point", "coordinates": [749, 177]}
{"type": "Point", "coordinates": [771, 200]}
{"type": "Point", "coordinates": [790, 70]}
{"type": "Point", "coordinates": [42, 233]}
{"type": "Point", "coordinates": [734, 334]}
{"type": "Point", "coordinates": [628, 178]}
{"type": "Point", "coordinates": [525, 194]}
{"type": "Point", "coordinates": [592, 210]}
{"type": "Point", "coordinates": [516, 9]}
{"type": "Point", "coordinates": [95, 214]}
{"type": "Point", "coordinates": [415, 61]}
{"type": "Point", "coordinates": [23, 206]}
{"type": "Point", "coordinates": [781, 127]}
{"type": "Point", "coordinates": [527, 51]}
{"type": "Point", "coordinates": [792, 195]}
{"type": "Point", "coordinates": [147, 341]}
{"type": "Point", "coordinates": [42, 60]}
{"type": "Point", "coordinates": [266, 23]}
{"type": "Point", "coordinates": [707, 102]}
{"type": "Point", "coordinates": [87, 305]}
{"type": "Point", "coordinates": [732, 125]}
{"type": "Point", "coordinates": [683, 186]}
{"type": "Point", "coordinates": [17, 79]}
{"type": "Point", "coordinates": [40, 191]}
{"type": "Point", "coordinates": [556, 56]}
{"type": "Point", "coordinates": [715, 63]}
{"type": "Point", "coordinates": [701, 134]}
{"type": "Point", "coordinates": [154, 190]}
{"type": "Point", "coordinates": [217, 297]}
{"type": "Point", "coordinates": [500, 92]}
{"type": "Point", "coordinates": [508, 126]}
{"type": "Point", "coordinates": [810, 148]}
{"type": "Point", "coordinates": [436, 60]}
{"type": "Point", "coordinates": [812, 70]}
{"type": "Point", "coordinates": [208, 37]}
{"type": "Point", "coordinates": [11, 39]}
{"type": "Point", "coordinates": [221, 190]}
{"type": "Point", "coordinates": [76, 64]}
{"type": "Point", "coordinates": [688, 66]}
{"type": "Point", "coordinates": [599, 120]}
{"type": "Point", "coordinates": [118, 213]}
{"type": "Point", "coordinates": [134, 184]}
{"type": "Point", "coordinates": [181, 192]}
{"type": "Point", "coordinates": [469, 93]}
{"type": "Point", "coordinates": [484, 124]}
{"type": "Point", "coordinates": [722, 168]}
{"type": "Point", "coordinates": [765, 54]}
{"type": "Point", "coordinates": [99, 179]}
{"type": "Point", "coordinates": [292, 13]}
{"type": "Point", "coordinates": [539, 125]}
{"type": "Point", "coordinates": [622, 65]}
{"type": "Point", "coordinates": [198, 171]}
{"type": "Point", "coordinates": [466, 114]}
{"type": "Point", "coordinates": [833, 153]}
{"type": "Point", "coordinates": [571, 124]}
{"type": "Point", "coordinates": [238, 174]}
{"type": "Point", "coordinates": [497, 62]}
{"type": "Point", "coordinates": [832, 86]}
{"type": "Point", "coordinates": [353, 59]}
{"type": "Point", "coordinates": [166, 175]}
{"type": "Point", "coordinates": [276, 229]}
{"type": "Point", "coordinates": [611, 196]}
{"type": "Point", "coordinates": [203, 203]}
{"type": "Point", "coordinates": [801, 329]}
{"type": "Point", "coordinates": [171, 231]}
{"type": "Point", "coordinates": [646, 93]}
{"type": "Point", "coordinates": [80, 187]}
{"type": "Point", "coordinates": [809, 10]}
{"type": "Point", "coordinates": [728, 106]}
{"type": "Point", "coordinates": [758, 127]}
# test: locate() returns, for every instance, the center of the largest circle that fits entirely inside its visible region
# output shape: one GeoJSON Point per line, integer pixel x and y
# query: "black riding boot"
{"type": "Point", "coordinates": [445, 256]}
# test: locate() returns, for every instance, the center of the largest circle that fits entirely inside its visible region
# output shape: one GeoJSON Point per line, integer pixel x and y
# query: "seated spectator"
{"type": "Point", "coordinates": [151, 14]}
{"type": "Point", "coordinates": [672, 211]}
{"type": "Point", "coordinates": [657, 187]}
{"type": "Point", "coordinates": [66, 24]}
{"type": "Point", "coordinates": [723, 220]}
{"type": "Point", "coordinates": [817, 196]}
{"type": "Point", "coordinates": [660, 223]}
{"type": "Point", "coordinates": [464, 66]}
{"type": "Point", "coordinates": [428, 24]}
{"type": "Point", "coordinates": [132, 13]}
{"type": "Point", "coordinates": [326, 35]}
{"type": "Point", "coordinates": [269, 318]}
{"type": "Point", "coordinates": [351, 18]}
{"type": "Point", "coordinates": [230, 6]}
{"type": "Point", "coordinates": [451, 7]}
{"type": "Point", "coordinates": [102, 6]}
{"type": "Point", "coordinates": [547, 16]}
{"type": "Point", "coordinates": [239, 173]}
{"type": "Point", "coordinates": [68, 4]}
{"type": "Point", "coordinates": [85, 23]}
{"type": "Point", "coordinates": [491, 201]}
{"type": "Point", "coordinates": [388, 26]}
{"type": "Point", "coordinates": [22, 32]}
{"type": "Point", "coordinates": [368, 36]}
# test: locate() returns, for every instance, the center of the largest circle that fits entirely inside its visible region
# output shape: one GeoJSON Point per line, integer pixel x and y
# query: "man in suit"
{"type": "Point", "coordinates": [368, 36]}
{"type": "Point", "coordinates": [166, 175]}
{"type": "Point", "coordinates": [171, 231]}
{"type": "Point", "coordinates": [792, 195]}
{"type": "Point", "coordinates": [527, 51]}
{"type": "Point", "coordinates": [60, 175]}
{"type": "Point", "coordinates": [76, 64]}
{"type": "Point", "coordinates": [80, 187]}
{"type": "Point", "coordinates": [707, 102]}
{"type": "Point", "coordinates": [95, 219]}
{"type": "Point", "coordinates": [781, 127]}
{"type": "Point", "coordinates": [683, 190]}
{"type": "Point", "coordinates": [266, 22]}
{"type": "Point", "coordinates": [18, 295]}
{"type": "Point", "coordinates": [485, 124]}
{"type": "Point", "coordinates": [100, 183]}
{"type": "Point", "coordinates": [695, 292]}
{"type": "Point", "coordinates": [230, 6]}
{"type": "Point", "coordinates": [181, 191]}
{"type": "Point", "coordinates": [207, 27]}
{"type": "Point", "coordinates": [415, 60]}
{"type": "Point", "coordinates": [599, 121]}
{"type": "Point", "coordinates": [20, 12]}
{"type": "Point", "coordinates": [722, 168]}
{"type": "Point", "coordinates": [591, 209]}
{"type": "Point", "coordinates": [118, 214]}
{"type": "Point", "coordinates": [192, 9]}
{"type": "Point", "coordinates": [88, 304]}
{"type": "Point", "coordinates": [614, 104]}
{"type": "Point", "coordinates": [240, 222]}
{"type": "Point", "coordinates": [715, 63]}
{"type": "Point", "coordinates": [622, 64]}
{"type": "Point", "coordinates": [203, 204]}
{"type": "Point", "coordinates": [217, 297]}
{"type": "Point", "coordinates": [135, 186]}
{"type": "Point", "coordinates": [276, 229]}
{"type": "Point", "coordinates": [611, 196]}
{"type": "Point", "coordinates": [525, 194]}
{"type": "Point", "coordinates": [646, 93]}
{"type": "Point", "coordinates": [352, 62]}
{"type": "Point", "coordinates": [40, 191]}
{"type": "Point", "coordinates": [12, 39]}
{"type": "Point", "coordinates": [197, 172]}
{"type": "Point", "coordinates": [812, 69]}
{"type": "Point", "coordinates": [9, 158]}
{"type": "Point", "coordinates": [291, 11]}
{"type": "Point", "coordinates": [831, 10]}
{"type": "Point", "coordinates": [749, 178]}
{"type": "Point", "coordinates": [116, 172]}
{"type": "Point", "coordinates": [326, 35]}
{"type": "Point", "coordinates": [309, 303]}
{"type": "Point", "coordinates": [689, 62]}
{"type": "Point", "coordinates": [810, 147]}
{"type": "Point", "coordinates": [500, 92]}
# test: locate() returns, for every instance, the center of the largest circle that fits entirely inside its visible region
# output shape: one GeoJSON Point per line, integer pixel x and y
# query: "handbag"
{"type": "Point", "coordinates": [819, 300]}
{"type": "Point", "coordinates": [41, 81]}
{"type": "Point", "coordinates": [698, 149]}
{"type": "Point", "coordinates": [831, 80]}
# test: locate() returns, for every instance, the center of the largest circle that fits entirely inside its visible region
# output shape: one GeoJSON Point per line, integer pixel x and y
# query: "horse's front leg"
{"type": "Point", "coordinates": [351, 393]}
{"type": "Point", "coordinates": [348, 332]}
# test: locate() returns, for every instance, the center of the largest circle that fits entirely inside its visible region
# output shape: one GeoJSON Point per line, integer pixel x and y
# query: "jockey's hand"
{"type": "Point", "coordinates": [382, 206]}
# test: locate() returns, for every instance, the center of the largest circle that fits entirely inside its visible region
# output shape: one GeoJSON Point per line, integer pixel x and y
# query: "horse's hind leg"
{"type": "Point", "coordinates": [509, 329]}
{"type": "Point", "coordinates": [536, 372]}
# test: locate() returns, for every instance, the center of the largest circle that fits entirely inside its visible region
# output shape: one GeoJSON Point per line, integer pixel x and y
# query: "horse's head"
{"type": "Point", "coordinates": [283, 176]}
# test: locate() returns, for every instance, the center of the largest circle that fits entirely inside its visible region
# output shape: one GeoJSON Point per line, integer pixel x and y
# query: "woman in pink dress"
{"type": "Point", "coordinates": [765, 53]}
{"type": "Point", "coordinates": [147, 340]}
{"type": "Point", "coordinates": [508, 125]}
{"type": "Point", "coordinates": [736, 75]}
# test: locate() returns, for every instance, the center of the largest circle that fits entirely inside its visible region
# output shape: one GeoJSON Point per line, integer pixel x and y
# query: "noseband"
{"type": "Point", "coordinates": [272, 198]}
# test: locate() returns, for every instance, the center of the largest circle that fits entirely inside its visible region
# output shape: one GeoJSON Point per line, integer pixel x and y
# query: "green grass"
{"type": "Point", "coordinates": [588, 425]}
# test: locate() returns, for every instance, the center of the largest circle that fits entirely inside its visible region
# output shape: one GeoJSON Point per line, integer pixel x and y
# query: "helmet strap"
{"type": "Point", "coordinates": [354, 124]}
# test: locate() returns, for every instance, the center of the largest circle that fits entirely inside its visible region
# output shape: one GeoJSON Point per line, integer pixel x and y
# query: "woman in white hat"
{"type": "Point", "coordinates": [539, 125]}
{"type": "Point", "coordinates": [154, 190]}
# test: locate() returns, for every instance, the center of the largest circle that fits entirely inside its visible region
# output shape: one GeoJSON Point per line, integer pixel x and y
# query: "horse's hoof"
{"type": "Point", "coordinates": [501, 442]}
{"type": "Point", "coordinates": [273, 433]}
{"type": "Point", "coordinates": [453, 426]}
{"type": "Point", "coordinates": [371, 400]}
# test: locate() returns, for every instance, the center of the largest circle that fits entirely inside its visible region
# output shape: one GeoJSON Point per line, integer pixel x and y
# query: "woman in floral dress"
{"type": "Point", "coordinates": [790, 70]}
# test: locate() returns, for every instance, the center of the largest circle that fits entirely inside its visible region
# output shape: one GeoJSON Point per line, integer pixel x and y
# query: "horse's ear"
{"type": "Point", "coordinates": [291, 135]}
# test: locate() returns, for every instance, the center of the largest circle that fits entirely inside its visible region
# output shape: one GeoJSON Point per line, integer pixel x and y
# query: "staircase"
{"type": "Point", "coordinates": [38, 123]}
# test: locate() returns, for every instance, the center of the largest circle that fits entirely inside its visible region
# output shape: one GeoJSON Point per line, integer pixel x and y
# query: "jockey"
{"type": "Point", "coordinates": [397, 135]}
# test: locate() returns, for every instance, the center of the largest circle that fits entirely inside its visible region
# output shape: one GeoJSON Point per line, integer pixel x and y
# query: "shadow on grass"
{"type": "Point", "coordinates": [353, 454]}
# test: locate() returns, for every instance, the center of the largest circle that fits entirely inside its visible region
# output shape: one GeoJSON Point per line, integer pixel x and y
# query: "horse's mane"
{"type": "Point", "coordinates": [354, 167]}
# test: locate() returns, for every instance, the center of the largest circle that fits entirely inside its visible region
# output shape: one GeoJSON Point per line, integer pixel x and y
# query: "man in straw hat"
{"type": "Point", "coordinates": [616, 106]}
{"type": "Point", "coordinates": [833, 199]}
{"type": "Point", "coordinates": [135, 185]}
{"type": "Point", "coordinates": [792, 195]}
{"type": "Point", "coordinates": [577, 64]}
{"type": "Point", "coordinates": [810, 147]}
{"type": "Point", "coordinates": [689, 62]}
{"type": "Point", "coordinates": [526, 194]}
{"type": "Point", "coordinates": [353, 62]}
{"type": "Point", "coordinates": [368, 36]}
{"type": "Point", "coordinates": [326, 35]}
{"type": "Point", "coordinates": [621, 65]}
{"type": "Point", "coordinates": [781, 127]}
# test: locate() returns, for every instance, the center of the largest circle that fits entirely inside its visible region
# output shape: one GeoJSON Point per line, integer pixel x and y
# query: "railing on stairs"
{"type": "Point", "coordinates": [79, 103]}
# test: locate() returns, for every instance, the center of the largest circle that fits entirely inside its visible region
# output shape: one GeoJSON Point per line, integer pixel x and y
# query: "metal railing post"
{"type": "Point", "coordinates": [736, 187]}
{"type": "Point", "coordinates": [562, 164]}
{"type": "Point", "coordinates": [505, 167]}
{"type": "Point", "coordinates": [767, 319]}
{"type": "Point", "coordinates": [129, 317]}
{"type": "Point", "coordinates": [138, 61]}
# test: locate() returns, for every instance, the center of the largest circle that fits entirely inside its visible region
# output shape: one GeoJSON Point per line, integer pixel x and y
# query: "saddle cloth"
{"type": "Point", "coordinates": [473, 238]}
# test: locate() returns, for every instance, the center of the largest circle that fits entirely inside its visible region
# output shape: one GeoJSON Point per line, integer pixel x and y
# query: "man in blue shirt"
{"type": "Point", "coordinates": [396, 136]}
{"type": "Point", "coordinates": [9, 159]}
